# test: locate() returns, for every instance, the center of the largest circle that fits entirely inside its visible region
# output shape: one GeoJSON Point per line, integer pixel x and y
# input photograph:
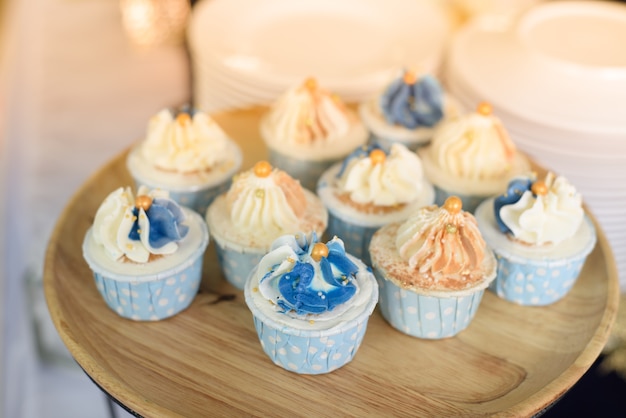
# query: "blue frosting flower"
{"type": "Point", "coordinates": [310, 286]}
{"type": "Point", "coordinates": [165, 217]}
{"type": "Point", "coordinates": [514, 192]}
{"type": "Point", "coordinates": [415, 104]}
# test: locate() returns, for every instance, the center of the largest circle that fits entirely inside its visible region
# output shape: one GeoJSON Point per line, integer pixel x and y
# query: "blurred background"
{"type": "Point", "coordinates": [80, 78]}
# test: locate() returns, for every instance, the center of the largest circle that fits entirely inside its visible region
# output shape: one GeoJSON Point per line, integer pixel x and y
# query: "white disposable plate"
{"type": "Point", "coordinates": [520, 68]}
{"type": "Point", "coordinates": [355, 44]}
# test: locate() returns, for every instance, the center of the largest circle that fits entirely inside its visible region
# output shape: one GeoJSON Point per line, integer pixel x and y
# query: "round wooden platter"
{"type": "Point", "coordinates": [206, 361]}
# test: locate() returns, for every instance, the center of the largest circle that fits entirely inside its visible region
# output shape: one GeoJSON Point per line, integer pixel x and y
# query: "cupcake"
{"type": "Point", "coordinates": [432, 270]}
{"type": "Point", "coordinates": [372, 188]}
{"type": "Point", "coordinates": [308, 129]}
{"type": "Point", "coordinates": [310, 303]}
{"type": "Point", "coordinates": [541, 237]}
{"type": "Point", "coordinates": [146, 253]}
{"type": "Point", "coordinates": [187, 154]}
{"type": "Point", "coordinates": [471, 157]}
{"type": "Point", "coordinates": [262, 204]}
{"type": "Point", "coordinates": [408, 110]}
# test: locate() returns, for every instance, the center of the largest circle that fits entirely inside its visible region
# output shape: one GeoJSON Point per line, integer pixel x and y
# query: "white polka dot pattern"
{"type": "Point", "coordinates": [236, 266]}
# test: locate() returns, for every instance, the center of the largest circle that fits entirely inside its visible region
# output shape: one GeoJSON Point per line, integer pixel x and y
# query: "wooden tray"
{"type": "Point", "coordinates": [511, 361]}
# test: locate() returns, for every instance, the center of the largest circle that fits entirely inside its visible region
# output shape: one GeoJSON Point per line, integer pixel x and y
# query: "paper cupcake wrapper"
{"type": "Point", "coordinates": [470, 202]}
{"type": "Point", "coordinates": [308, 172]}
{"type": "Point", "coordinates": [310, 355]}
{"type": "Point", "coordinates": [197, 199]}
{"type": "Point", "coordinates": [236, 264]}
{"type": "Point", "coordinates": [356, 238]}
{"type": "Point", "coordinates": [152, 300]}
{"type": "Point", "coordinates": [424, 316]}
{"type": "Point", "coordinates": [535, 283]}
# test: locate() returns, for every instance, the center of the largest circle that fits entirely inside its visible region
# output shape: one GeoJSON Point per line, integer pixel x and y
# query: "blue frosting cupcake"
{"type": "Point", "coordinates": [146, 253]}
{"type": "Point", "coordinates": [408, 110]}
{"type": "Point", "coordinates": [311, 303]}
{"type": "Point", "coordinates": [541, 237]}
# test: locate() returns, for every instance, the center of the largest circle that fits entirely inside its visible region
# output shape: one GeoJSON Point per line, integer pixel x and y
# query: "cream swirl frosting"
{"type": "Point", "coordinates": [474, 146]}
{"type": "Point", "coordinates": [188, 142]}
{"type": "Point", "coordinates": [308, 114]}
{"type": "Point", "coordinates": [443, 244]}
{"type": "Point", "coordinates": [266, 199]}
{"type": "Point", "coordinates": [372, 176]}
{"type": "Point", "coordinates": [540, 212]}
{"type": "Point", "coordinates": [137, 228]}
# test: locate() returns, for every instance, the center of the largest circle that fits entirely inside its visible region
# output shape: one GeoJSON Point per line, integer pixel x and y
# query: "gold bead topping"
{"type": "Point", "coordinates": [310, 84]}
{"type": "Point", "coordinates": [410, 77]}
{"type": "Point", "coordinates": [319, 250]}
{"type": "Point", "coordinates": [484, 109]}
{"type": "Point", "coordinates": [453, 205]}
{"type": "Point", "coordinates": [377, 156]}
{"type": "Point", "coordinates": [262, 169]}
{"type": "Point", "coordinates": [143, 202]}
{"type": "Point", "coordinates": [539, 188]}
{"type": "Point", "coordinates": [183, 118]}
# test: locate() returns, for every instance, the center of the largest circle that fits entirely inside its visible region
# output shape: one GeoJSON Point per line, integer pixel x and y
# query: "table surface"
{"type": "Point", "coordinates": [511, 361]}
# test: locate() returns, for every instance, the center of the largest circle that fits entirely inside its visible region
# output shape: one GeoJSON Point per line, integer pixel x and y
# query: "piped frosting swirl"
{"type": "Point", "coordinates": [137, 229]}
{"type": "Point", "coordinates": [539, 212]}
{"type": "Point", "coordinates": [413, 101]}
{"type": "Point", "coordinates": [266, 199]}
{"type": "Point", "coordinates": [443, 244]}
{"type": "Point", "coordinates": [304, 277]}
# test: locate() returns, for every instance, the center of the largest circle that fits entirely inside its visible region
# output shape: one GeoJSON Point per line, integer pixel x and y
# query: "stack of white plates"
{"type": "Point", "coordinates": [248, 52]}
{"type": "Point", "coordinates": [556, 76]}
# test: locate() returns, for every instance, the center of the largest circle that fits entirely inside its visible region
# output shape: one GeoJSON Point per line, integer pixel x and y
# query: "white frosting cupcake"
{"type": "Point", "coordinates": [186, 153]}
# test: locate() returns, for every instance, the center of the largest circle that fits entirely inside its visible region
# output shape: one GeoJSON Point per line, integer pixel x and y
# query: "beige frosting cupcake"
{"type": "Point", "coordinates": [432, 270]}
{"type": "Point", "coordinates": [472, 157]}
{"type": "Point", "coordinates": [307, 129]}
{"type": "Point", "coordinates": [262, 204]}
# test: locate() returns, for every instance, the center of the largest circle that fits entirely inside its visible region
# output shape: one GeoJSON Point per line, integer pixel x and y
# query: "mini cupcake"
{"type": "Point", "coordinates": [187, 154]}
{"type": "Point", "coordinates": [310, 303]}
{"type": "Point", "coordinates": [432, 271]}
{"type": "Point", "coordinates": [146, 253]}
{"type": "Point", "coordinates": [372, 188]}
{"type": "Point", "coordinates": [541, 237]}
{"type": "Point", "coordinates": [471, 157]}
{"type": "Point", "coordinates": [262, 204]}
{"type": "Point", "coordinates": [408, 110]}
{"type": "Point", "coordinates": [308, 129]}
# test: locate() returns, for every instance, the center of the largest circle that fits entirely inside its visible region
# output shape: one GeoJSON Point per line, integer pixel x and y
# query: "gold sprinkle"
{"type": "Point", "coordinates": [451, 229]}
{"type": "Point", "coordinates": [311, 321]}
{"type": "Point", "coordinates": [255, 289]}
{"type": "Point", "coordinates": [260, 193]}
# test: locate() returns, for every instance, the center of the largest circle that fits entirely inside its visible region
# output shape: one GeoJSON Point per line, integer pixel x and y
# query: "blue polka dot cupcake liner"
{"type": "Point", "coordinates": [308, 172]}
{"type": "Point", "coordinates": [356, 238]}
{"type": "Point", "coordinates": [424, 316]}
{"type": "Point", "coordinates": [536, 282]}
{"type": "Point", "coordinates": [470, 202]}
{"type": "Point", "coordinates": [196, 198]}
{"type": "Point", "coordinates": [236, 263]}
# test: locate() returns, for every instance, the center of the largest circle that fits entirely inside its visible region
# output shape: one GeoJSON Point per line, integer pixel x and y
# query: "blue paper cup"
{"type": "Point", "coordinates": [152, 297]}
{"type": "Point", "coordinates": [310, 351]}
{"type": "Point", "coordinates": [356, 238]}
{"type": "Point", "coordinates": [237, 262]}
{"type": "Point", "coordinates": [424, 316]}
{"type": "Point", "coordinates": [470, 202]}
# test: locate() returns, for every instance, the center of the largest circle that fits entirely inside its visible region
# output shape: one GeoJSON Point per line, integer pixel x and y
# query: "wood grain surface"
{"type": "Point", "coordinates": [207, 361]}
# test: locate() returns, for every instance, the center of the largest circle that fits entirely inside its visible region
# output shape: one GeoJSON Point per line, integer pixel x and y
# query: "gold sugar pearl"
{"type": "Point", "coordinates": [484, 109]}
{"type": "Point", "coordinates": [410, 77]}
{"type": "Point", "coordinates": [319, 250]}
{"type": "Point", "coordinates": [453, 205]}
{"type": "Point", "coordinates": [377, 156]}
{"type": "Point", "coordinates": [262, 169]}
{"type": "Point", "coordinates": [183, 118]}
{"type": "Point", "coordinates": [143, 202]}
{"type": "Point", "coordinates": [539, 188]}
{"type": "Point", "coordinates": [310, 84]}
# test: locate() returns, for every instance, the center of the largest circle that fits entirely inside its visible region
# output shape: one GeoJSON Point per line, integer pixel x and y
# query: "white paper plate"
{"type": "Point", "coordinates": [353, 45]}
